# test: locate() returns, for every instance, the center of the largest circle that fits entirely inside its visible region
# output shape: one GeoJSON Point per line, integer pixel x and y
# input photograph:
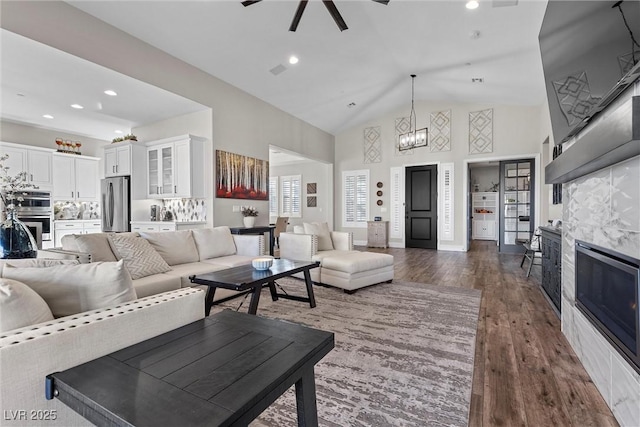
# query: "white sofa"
{"type": "Point", "coordinates": [186, 252]}
{"type": "Point", "coordinates": [340, 265]}
{"type": "Point", "coordinates": [30, 353]}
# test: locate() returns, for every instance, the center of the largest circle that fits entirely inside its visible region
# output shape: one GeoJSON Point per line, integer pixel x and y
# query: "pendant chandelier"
{"type": "Point", "coordinates": [413, 138]}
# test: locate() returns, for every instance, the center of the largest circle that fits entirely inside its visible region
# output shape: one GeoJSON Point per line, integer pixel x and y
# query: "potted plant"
{"type": "Point", "coordinates": [249, 213]}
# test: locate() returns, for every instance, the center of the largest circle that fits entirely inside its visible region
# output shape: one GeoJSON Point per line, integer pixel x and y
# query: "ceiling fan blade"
{"type": "Point", "coordinates": [250, 2]}
{"type": "Point", "coordinates": [298, 15]}
{"type": "Point", "coordinates": [382, 1]}
{"type": "Point", "coordinates": [333, 11]}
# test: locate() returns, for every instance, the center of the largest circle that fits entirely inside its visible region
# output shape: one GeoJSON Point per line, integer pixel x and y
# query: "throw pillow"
{"type": "Point", "coordinates": [36, 262]}
{"type": "Point", "coordinates": [21, 306]}
{"type": "Point", "coordinates": [298, 229]}
{"type": "Point", "coordinates": [72, 289]}
{"type": "Point", "coordinates": [214, 242]}
{"type": "Point", "coordinates": [96, 244]}
{"type": "Point", "coordinates": [139, 256]}
{"type": "Point", "coordinates": [175, 247]}
{"type": "Point", "coordinates": [320, 229]}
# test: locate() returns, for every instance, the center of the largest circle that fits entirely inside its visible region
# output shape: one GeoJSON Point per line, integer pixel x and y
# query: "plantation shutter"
{"type": "Point", "coordinates": [396, 205]}
{"type": "Point", "coordinates": [291, 205]}
{"type": "Point", "coordinates": [355, 187]}
{"type": "Point", "coordinates": [446, 190]}
{"type": "Point", "coordinates": [273, 196]}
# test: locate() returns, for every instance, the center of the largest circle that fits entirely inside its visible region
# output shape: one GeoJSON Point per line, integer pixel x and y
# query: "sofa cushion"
{"type": "Point", "coordinates": [36, 262]}
{"type": "Point", "coordinates": [357, 262]}
{"type": "Point", "coordinates": [214, 242]}
{"type": "Point", "coordinates": [72, 289]}
{"type": "Point", "coordinates": [230, 260]}
{"type": "Point", "coordinates": [156, 284]}
{"type": "Point", "coordinates": [69, 243]}
{"type": "Point", "coordinates": [97, 245]}
{"type": "Point", "coordinates": [320, 229]}
{"type": "Point", "coordinates": [139, 256]}
{"type": "Point", "coordinates": [175, 247]}
{"type": "Point", "coordinates": [298, 229]}
{"type": "Point", "coordinates": [183, 271]}
{"type": "Point", "coordinates": [320, 256]}
{"type": "Point", "coordinates": [21, 306]}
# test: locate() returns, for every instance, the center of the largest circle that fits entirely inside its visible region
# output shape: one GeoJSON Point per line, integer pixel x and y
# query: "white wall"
{"type": "Point", "coordinates": [485, 177]}
{"type": "Point", "coordinates": [40, 137]}
{"type": "Point", "coordinates": [322, 175]}
{"type": "Point", "coordinates": [516, 132]}
{"type": "Point", "coordinates": [549, 210]}
{"type": "Point", "coordinates": [242, 123]}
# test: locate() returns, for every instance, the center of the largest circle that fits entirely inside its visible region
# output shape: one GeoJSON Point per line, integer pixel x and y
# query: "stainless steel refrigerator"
{"type": "Point", "coordinates": [116, 204]}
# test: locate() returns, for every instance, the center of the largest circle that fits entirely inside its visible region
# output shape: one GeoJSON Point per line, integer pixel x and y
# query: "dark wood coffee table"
{"type": "Point", "coordinates": [248, 279]}
{"type": "Point", "coordinates": [223, 370]}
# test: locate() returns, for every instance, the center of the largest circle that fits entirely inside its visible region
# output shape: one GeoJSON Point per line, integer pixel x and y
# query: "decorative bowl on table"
{"type": "Point", "coordinates": [262, 263]}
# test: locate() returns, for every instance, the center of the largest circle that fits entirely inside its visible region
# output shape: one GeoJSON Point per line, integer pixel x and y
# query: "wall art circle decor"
{"type": "Point", "coordinates": [379, 202]}
{"type": "Point", "coordinates": [379, 193]}
{"type": "Point", "coordinates": [379, 184]}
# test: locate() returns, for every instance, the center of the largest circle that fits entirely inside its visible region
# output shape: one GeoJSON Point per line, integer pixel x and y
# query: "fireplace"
{"type": "Point", "coordinates": [607, 288]}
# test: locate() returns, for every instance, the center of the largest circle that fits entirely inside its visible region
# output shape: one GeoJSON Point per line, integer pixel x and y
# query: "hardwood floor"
{"type": "Point", "coordinates": [526, 373]}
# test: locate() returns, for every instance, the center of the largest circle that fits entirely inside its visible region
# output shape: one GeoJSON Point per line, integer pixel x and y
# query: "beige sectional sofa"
{"type": "Point", "coordinates": [340, 265]}
{"type": "Point", "coordinates": [185, 253]}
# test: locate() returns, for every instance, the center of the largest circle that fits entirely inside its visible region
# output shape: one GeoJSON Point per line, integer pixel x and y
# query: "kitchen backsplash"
{"type": "Point", "coordinates": [76, 210]}
{"type": "Point", "coordinates": [186, 209]}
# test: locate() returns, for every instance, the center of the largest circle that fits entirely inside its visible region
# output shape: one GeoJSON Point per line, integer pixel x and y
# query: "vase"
{"type": "Point", "coordinates": [16, 240]}
{"type": "Point", "coordinates": [249, 221]}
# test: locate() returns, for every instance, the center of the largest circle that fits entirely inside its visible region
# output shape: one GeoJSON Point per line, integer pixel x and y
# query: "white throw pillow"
{"type": "Point", "coordinates": [36, 262]}
{"type": "Point", "coordinates": [175, 247]}
{"type": "Point", "coordinates": [96, 244]}
{"type": "Point", "coordinates": [214, 242]}
{"type": "Point", "coordinates": [139, 256]}
{"type": "Point", "coordinates": [320, 229]}
{"type": "Point", "coordinates": [21, 306]}
{"type": "Point", "coordinates": [298, 229]}
{"type": "Point", "coordinates": [72, 289]}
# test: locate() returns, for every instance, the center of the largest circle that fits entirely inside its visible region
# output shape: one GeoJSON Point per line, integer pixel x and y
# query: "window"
{"type": "Point", "coordinates": [355, 189]}
{"type": "Point", "coordinates": [273, 196]}
{"type": "Point", "coordinates": [290, 196]}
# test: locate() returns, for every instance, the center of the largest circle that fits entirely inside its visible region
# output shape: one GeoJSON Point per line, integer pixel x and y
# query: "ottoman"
{"type": "Point", "coordinates": [354, 270]}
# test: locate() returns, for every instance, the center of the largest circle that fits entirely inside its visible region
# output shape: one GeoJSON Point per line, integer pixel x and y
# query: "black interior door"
{"type": "Point", "coordinates": [421, 207]}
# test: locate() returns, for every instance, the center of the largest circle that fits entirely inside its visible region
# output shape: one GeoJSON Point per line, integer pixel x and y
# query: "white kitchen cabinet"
{"type": "Point", "coordinates": [175, 168]}
{"type": "Point", "coordinates": [142, 226]}
{"type": "Point", "coordinates": [63, 228]}
{"type": "Point", "coordinates": [75, 178]}
{"type": "Point", "coordinates": [35, 161]}
{"type": "Point", "coordinates": [118, 160]}
{"type": "Point", "coordinates": [484, 208]}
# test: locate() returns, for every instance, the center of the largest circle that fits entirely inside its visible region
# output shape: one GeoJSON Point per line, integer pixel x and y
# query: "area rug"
{"type": "Point", "coordinates": [403, 354]}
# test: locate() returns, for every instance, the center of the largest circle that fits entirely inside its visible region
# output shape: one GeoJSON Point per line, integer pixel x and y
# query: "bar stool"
{"type": "Point", "coordinates": [531, 252]}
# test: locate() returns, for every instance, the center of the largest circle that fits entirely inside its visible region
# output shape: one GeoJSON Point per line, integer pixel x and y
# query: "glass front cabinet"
{"type": "Point", "coordinates": [516, 212]}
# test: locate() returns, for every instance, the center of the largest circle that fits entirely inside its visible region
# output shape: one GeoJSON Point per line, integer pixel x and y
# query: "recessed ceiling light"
{"type": "Point", "coordinates": [47, 116]}
{"type": "Point", "coordinates": [118, 131]}
{"type": "Point", "coordinates": [472, 4]}
{"type": "Point", "coordinates": [351, 105]}
{"type": "Point", "coordinates": [77, 106]}
{"type": "Point", "coordinates": [20, 94]}
{"type": "Point", "coordinates": [477, 79]}
{"type": "Point", "coordinates": [474, 35]}
{"type": "Point", "coordinates": [293, 60]}
{"type": "Point", "coordinates": [110, 92]}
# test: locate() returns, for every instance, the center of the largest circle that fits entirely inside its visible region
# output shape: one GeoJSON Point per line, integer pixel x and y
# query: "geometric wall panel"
{"type": "Point", "coordinates": [481, 131]}
{"type": "Point", "coordinates": [440, 131]}
{"type": "Point", "coordinates": [372, 145]}
{"type": "Point", "coordinates": [574, 97]}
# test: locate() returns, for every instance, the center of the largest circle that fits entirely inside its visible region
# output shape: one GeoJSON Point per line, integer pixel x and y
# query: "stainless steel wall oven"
{"type": "Point", "coordinates": [36, 211]}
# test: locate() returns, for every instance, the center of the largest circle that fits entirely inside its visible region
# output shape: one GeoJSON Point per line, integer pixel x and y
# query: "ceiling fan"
{"type": "Point", "coordinates": [331, 7]}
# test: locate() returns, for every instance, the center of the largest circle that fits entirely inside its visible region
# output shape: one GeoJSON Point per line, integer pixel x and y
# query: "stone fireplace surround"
{"type": "Point", "coordinates": [603, 208]}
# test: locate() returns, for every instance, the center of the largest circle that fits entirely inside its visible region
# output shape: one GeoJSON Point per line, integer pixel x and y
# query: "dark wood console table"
{"type": "Point", "coordinates": [552, 265]}
{"type": "Point", "coordinates": [257, 230]}
{"type": "Point", "coordinates": [223, 370]}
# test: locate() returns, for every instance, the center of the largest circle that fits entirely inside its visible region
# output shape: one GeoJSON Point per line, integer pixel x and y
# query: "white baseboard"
{"type": "Point", "coordinates": [396, 245]}
{"type": "Point", "coordinates": [359, 243]}
{"type": "Point", "coordinates": [451, 248]}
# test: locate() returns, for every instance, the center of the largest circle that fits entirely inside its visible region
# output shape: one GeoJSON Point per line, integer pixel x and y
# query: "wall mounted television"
{"type": "Point", "coordinates": [590, 54]}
